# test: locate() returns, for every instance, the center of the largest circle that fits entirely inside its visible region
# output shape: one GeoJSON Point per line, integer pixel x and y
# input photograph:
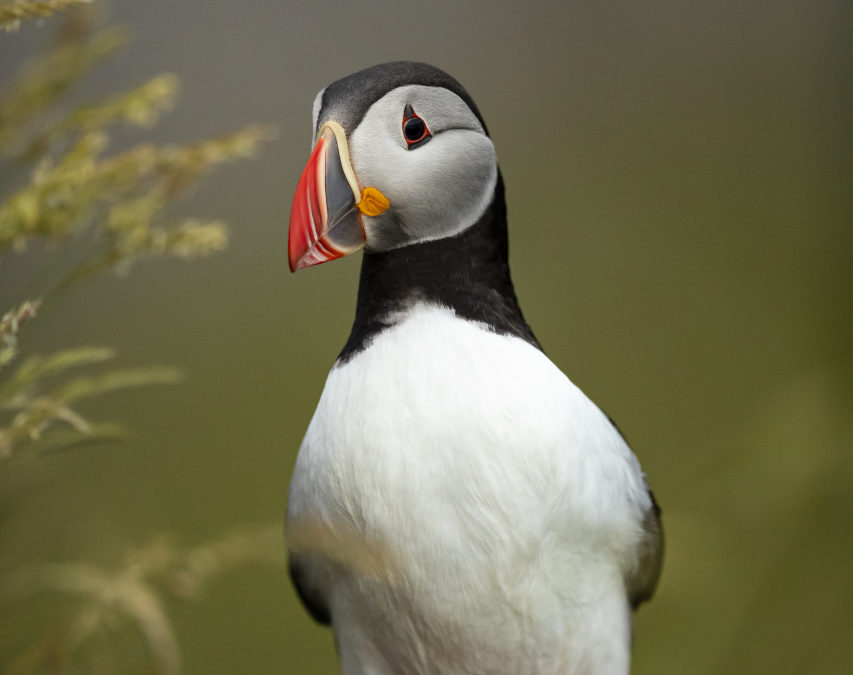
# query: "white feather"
{"type": "Point", "coordinates": [502, 505]}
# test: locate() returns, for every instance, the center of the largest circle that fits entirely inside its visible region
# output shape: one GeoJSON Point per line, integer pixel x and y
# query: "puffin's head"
{"type": "Point", "coordinates": [401, 156]}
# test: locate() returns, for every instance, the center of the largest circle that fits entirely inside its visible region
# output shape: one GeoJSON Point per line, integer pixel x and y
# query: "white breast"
{"type": "Point", "coordinates": [466, 507]}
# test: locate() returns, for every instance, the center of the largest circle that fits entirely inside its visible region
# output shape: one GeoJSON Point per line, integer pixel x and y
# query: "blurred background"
{"type": "Point", "coordinates": [678, 182]}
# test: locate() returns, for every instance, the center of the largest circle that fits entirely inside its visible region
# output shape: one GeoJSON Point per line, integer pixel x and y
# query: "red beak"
{"type": "Point", "coordinates": [325, 223]}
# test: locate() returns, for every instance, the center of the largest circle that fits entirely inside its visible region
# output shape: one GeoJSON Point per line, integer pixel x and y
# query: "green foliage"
{"type": "Point", "coordinates": [9, 326]}
{"type": "Point", "coordinates": [37, 408]}
{"type": "Point", "coordinates": [76, 188]}
{"type": "Point", "coordinates": [66, 183]}
{"type": "Point", "coordinates": [128, 598]}
{"type": "Point", "coordinates": [44, 81]}
{"type": "Point", "coordinates": [12, 13]}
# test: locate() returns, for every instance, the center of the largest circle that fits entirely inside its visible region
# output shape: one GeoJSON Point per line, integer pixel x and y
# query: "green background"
{"type": "Point", "coordinates": [678, 184]}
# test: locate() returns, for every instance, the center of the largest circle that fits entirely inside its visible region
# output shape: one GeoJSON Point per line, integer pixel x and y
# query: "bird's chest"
{"type": "Point", "coordinates": [451, 478]}
{"type": "Point", "coordinates": [450, 445]}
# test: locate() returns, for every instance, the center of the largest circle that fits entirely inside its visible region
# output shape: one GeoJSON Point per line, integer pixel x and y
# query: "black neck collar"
{"type": "Point", "coordinates": [468, 273]}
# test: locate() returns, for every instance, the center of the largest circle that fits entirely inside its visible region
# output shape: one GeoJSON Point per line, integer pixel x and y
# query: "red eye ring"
{"type": "Point", "coordinates": [415, 130]}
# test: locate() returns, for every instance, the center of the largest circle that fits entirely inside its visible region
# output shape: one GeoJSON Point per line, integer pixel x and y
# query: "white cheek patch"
{"type": "Point", "coordinates": [449, 183]}
{"type": "Point", "coordinates": [437, 189]}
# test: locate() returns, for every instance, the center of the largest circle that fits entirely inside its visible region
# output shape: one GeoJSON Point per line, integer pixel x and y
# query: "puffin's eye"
{"type": "Point", "coordinates": [415, 130]}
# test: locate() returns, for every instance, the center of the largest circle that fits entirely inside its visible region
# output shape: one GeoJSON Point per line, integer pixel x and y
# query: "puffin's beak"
{"type": "Point", "coordinates": [326, 216]}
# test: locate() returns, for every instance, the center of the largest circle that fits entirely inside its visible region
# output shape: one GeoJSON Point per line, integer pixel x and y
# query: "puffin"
{"type": "Point", "coordinates": [458, 505]}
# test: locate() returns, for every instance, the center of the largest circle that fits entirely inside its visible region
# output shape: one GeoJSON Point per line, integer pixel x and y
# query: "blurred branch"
{"type": "Point", "coordinates": [12, 13]}
{"type": "Point", "coordinates": [134, 593]}
{"type": "Point", "coordinates": [38, 367]}
{"type": "Point", "coordinates": [116, 200]}
{"type": "Point", "coordinates": [117, 203]}
{"type": "Point", "coordinates": [35, 411]}
{"type": "Point", "coordinates": [9, 326]}
{"type": "Point", "coordinates": [139, 107]}
{"type": "Point", "coordinates": [120, 197]}
{"type": "Point", "coordinates": [43, 81]}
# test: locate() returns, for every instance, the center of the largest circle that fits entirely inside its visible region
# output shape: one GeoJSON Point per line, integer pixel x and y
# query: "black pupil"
{"type": "Point", "coordinates": [414, 129]}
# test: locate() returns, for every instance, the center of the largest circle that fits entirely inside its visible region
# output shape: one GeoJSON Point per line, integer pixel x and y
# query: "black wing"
{"type": "Point", "coordinates": [642, 582]}
{"type": "Point", "coordinates": [310, 594]}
